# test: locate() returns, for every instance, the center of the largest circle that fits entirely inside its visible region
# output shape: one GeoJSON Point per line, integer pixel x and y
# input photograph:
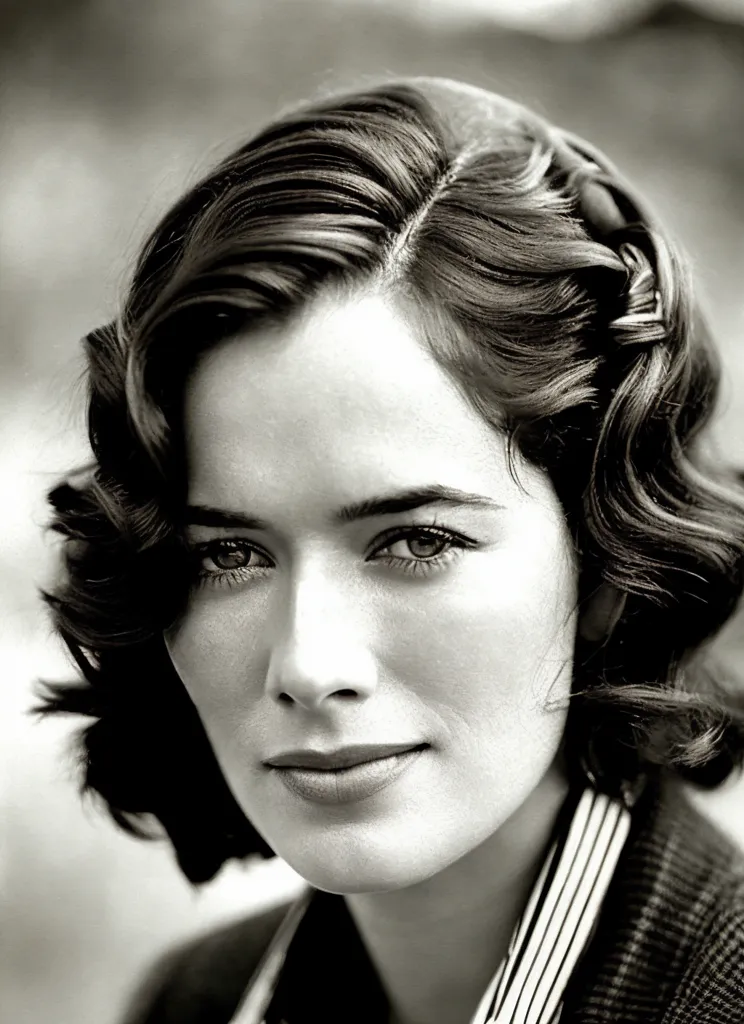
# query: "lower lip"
{"type": "Point", "coordinates": [346, 785]}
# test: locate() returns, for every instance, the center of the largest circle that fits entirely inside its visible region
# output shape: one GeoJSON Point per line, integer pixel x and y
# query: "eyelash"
{"type": "Point", "coordinates": [457, 544]}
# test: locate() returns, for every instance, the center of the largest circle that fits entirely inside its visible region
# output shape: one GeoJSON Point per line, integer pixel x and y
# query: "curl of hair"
{"type": "Point", "coordinates": [467, 209]}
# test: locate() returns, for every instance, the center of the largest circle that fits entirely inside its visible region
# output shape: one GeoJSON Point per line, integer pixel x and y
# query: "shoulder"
{"type": "Point", "coordinates": [711, 988]}
{"type": "Point", "coordinates": [203, 979]}
{"type": "Point", "coordinates": [669, 946]}
{"type": "Point", "coordinates": [711, 915]}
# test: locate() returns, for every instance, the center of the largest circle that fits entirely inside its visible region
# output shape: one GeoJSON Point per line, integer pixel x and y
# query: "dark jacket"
{"type": "Point", "coordinates": [668, 949]}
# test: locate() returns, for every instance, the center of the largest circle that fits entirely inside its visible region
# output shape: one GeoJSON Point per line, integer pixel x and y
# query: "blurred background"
{"type": "Point", "coordinates": [108, 111]}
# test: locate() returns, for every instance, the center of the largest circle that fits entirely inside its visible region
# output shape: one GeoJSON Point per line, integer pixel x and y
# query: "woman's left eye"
{"type": "Point", "coordinates": [429, 549]}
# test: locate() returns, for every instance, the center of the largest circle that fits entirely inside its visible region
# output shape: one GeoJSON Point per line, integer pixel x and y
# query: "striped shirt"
{"type": "Point", "coordinates": [547, 942]}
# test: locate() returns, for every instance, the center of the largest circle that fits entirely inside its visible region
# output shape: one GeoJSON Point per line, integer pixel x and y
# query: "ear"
{"type": "Point", "coordinates": [601, 613]}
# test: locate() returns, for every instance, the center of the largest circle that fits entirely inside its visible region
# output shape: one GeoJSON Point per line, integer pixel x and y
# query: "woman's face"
{"type": "Point", "coordinates": [348, 597]}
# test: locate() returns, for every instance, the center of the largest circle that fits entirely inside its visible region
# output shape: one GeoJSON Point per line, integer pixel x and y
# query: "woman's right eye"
{"type": "Point", "coordinates": [229, 560]}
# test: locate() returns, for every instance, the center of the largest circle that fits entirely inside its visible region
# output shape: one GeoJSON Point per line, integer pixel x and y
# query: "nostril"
{"type": "Point", "coordinates": [307, 695]}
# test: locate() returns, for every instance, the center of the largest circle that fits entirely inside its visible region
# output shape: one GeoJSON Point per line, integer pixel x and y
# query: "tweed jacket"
{"type": "Point", "coordinates": [668, 948]}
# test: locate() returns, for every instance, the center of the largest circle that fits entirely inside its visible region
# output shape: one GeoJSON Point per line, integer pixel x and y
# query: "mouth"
{"type": "Point", "coordinates": [346, 776]}
{"type": "Point", "coordinates": [342, 758]}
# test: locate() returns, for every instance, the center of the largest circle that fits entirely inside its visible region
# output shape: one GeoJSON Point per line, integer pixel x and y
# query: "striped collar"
{"type": "Point", "coordinates": [549, 939]}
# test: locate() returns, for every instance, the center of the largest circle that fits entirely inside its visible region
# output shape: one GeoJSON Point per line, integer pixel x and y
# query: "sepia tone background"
{"type": "Point", "coordinates": [108, 111]}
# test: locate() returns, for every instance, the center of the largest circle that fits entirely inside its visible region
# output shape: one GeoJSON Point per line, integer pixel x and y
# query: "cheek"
{"type": "Point", "coordinates": [499, 633]}
{"type": "Point", "coordinates": [220, 664]}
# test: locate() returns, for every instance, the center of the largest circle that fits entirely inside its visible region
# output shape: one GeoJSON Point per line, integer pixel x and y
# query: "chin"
{"type": "Point", "coordinates": [344, 879]}
{"type": "Point", "coordinates": [361, 865]}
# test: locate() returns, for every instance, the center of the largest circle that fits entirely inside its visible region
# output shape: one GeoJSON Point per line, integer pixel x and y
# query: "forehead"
{"type": "Point", "coordinates": [345, 396]}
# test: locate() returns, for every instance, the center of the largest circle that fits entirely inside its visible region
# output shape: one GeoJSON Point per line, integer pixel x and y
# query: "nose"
{"type": "Point", "coordinates": [321, 652]}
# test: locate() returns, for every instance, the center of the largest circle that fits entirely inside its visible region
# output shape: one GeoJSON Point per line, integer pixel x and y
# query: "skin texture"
{"type": "Point", "coordinates": [321, 642]}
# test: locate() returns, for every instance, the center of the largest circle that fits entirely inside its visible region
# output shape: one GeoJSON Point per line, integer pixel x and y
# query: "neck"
{"type": "Point", "coordinates": [437, 944]}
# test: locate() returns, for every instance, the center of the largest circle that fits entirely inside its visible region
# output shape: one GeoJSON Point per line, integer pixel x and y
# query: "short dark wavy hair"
{"type": "Point", "coordinates": [562, 311]}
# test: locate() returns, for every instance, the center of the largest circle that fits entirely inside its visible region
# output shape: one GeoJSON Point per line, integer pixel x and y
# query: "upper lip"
{"type": "Point", "coordinates": [344, 757]}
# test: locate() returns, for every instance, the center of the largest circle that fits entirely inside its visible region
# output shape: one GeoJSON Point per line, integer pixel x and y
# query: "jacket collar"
{"type": "Point", "coordinates": [659, 912]}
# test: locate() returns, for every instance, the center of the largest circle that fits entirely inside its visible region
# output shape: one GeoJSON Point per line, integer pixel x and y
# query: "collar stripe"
{"type": "Point", "coordinates": [582, 920]}
{"type": "Point", "coordinates": [561, 915]}
{"type": "Point", "coordinates": [563, 897]}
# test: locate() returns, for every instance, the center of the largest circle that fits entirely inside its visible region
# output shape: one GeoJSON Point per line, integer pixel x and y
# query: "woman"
{"type": "Point", "coordinates": [397, 560]}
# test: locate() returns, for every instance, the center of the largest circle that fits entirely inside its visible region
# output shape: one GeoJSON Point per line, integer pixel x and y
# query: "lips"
{"type": "Point", "coordinates": [345, 776]}
{"type": "Point", "coordinates": [344, 757]}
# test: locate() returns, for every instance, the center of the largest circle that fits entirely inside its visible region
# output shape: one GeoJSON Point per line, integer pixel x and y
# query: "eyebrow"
{"type": "Point", "coordinates": [367, 508]}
